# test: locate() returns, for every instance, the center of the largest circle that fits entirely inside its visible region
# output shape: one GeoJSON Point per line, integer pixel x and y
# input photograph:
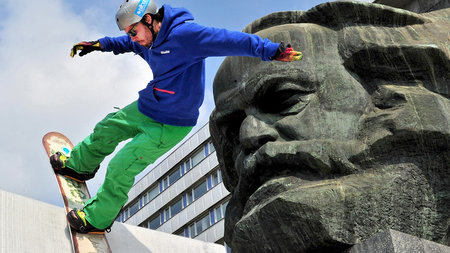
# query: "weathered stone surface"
{"type": "Point", "coordinates": [324, 153]}
{"type": "Point", "coordinates": [392, 241]}
{"type": "Point", "coordinates": [418, 6]}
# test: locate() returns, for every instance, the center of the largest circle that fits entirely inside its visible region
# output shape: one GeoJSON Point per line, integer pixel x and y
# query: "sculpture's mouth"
{"type": "Point", "coordinates": [263, 174]}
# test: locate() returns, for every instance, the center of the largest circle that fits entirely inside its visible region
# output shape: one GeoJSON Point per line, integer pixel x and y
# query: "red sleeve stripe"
{"type": "Point", "coordinates": [166, 91]}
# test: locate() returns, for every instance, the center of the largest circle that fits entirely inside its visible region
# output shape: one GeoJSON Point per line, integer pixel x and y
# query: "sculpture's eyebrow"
{"type": "Point", "coordinates": [233, 102]}
{"type": "Point", "coordinates": [296, 80]}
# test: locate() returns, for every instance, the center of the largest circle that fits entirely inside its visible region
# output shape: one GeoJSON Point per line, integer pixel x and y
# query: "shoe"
{"type": "Point", "coordinates": [59, 162]}
{"type": "Point", "coordinates": [77, 221]}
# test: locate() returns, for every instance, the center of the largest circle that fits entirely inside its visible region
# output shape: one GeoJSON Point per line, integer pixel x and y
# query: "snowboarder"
{"type": "Point", "coordinates": [166, 110]}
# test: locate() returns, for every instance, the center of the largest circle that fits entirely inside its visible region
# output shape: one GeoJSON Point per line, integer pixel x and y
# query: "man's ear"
{"type": "Point", "coordinates": [148, 18]}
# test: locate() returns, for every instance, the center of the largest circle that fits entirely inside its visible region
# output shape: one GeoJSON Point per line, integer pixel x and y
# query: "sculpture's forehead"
{"type": "Point", "coordinates": [318, 45]}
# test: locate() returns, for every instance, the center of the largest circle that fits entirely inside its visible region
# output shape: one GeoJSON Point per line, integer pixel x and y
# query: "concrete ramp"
{"type": "Point", "coordinates": [28, 225]}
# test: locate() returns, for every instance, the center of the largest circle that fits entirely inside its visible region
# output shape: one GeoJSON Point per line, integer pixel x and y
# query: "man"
{"type": "Point", "coordinates": [167, 108]}
{"type": "Point", "coordinates": [353, 140]}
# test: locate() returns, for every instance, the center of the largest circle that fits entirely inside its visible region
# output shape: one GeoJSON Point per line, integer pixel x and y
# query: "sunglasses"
{"type": "Point", "coordinates": [132, 32]}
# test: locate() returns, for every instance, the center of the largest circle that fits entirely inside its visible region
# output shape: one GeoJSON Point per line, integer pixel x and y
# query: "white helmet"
{"type": "Point", "coordinates": [132, 11]}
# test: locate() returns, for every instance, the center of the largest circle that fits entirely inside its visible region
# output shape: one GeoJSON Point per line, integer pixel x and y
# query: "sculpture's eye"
{"type": "Point", "coordinates": [285, 99]}
{"type": "Point", "coordinates": [229, 124]}
{"type": "Point", "coordinates": [231, 128]}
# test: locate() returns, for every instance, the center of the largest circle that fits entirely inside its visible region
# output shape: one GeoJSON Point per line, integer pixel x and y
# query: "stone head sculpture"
{"type": "Point", "coordinates": [354, 139]}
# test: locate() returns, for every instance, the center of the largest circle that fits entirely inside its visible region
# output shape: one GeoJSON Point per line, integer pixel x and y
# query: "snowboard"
{"type": "Point", "coordinates": [74, 195]}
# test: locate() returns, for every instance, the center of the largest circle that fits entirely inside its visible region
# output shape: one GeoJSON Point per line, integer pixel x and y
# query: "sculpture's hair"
{"type": "Point", "coordinates": [338, 14]}
{"type": "Point", "coordinates": [424, 63]}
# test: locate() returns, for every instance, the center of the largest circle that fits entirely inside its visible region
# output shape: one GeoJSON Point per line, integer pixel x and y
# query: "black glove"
{"type": "Point", "coordinates": [86, 47]}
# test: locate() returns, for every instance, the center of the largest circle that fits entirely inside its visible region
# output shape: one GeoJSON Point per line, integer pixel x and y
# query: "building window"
{"type": "Point", "coordinates": [215, 178]}
{"type": "Point", "coordinates": [165, 216]}
{"type": "Point", "coordinates": [150, 195]}
{"type": "Point", "coordinates": [200, 190]}
{"type": "Point", "coordinates": [211, 147]}
{"type": "Point", "coordinates": [176, 208]}
{"type": "Point", "coordinates": [136, 206]}
{"type": "Point", "coordinates": [219, 213]}
{"type": "Point", "coordinates": [198, 157]}
{"type": "Point", "coordinates": [192, 233]}
{"type": "Point", "coordinates": [183, 171]}
{"type": "Point", "coordinates": [227, 247]}
{"type": "Point", "coordinates": [164, 183]}
{"type": "Point", "coordinates": [224, 208]}
{"type": "Point", "coordinates": [119, 217]}
{"type": "Point", "coordinates": [133, 208]}
{"type": "Point", "coordinates": [202, 224]}
{"type": "Point", "coordinates": [187, 165]}
{"type": "Point", "coordinates": [212, 180]}
{"type": "Point", "coordinates": [215, 215]}
{"type": "Point", "coordinates": [189, 198]}
{"type": "Point", "coordinates": [174, 176]}
{"type": "Point", "coordinates": [154, 224]}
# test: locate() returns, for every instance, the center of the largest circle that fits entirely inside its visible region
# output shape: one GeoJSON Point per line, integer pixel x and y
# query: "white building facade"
{"type": "Point", "coordinates": [183, 194]}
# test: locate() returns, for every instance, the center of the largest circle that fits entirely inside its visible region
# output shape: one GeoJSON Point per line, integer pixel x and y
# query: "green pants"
{"type": "Point", "coordinates": [150, 140]}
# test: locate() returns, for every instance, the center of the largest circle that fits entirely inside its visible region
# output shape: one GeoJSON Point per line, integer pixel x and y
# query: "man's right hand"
{"type": "Point", "coordinates": [86, 47]}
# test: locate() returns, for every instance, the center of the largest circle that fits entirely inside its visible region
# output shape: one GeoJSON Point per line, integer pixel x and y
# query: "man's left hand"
{"type": "Point", "coordinates": [287, 54]}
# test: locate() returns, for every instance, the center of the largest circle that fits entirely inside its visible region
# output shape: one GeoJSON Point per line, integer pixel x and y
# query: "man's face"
{"type": "Point", "coordinates": [143, 35]}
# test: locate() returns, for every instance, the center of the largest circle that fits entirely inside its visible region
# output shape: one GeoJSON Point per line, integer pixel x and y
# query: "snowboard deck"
{"type": "Point", "coordinates": [74, 195]}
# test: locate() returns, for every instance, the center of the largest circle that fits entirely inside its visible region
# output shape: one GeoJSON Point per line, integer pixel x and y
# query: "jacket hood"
{"type": "Point", "coordinates": [172, 18]}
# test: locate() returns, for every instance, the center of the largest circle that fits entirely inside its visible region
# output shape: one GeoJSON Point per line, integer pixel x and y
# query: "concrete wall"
{"type": "Point", "coordinates": [132, 239]}
{"type": "Point", "coordinates": [28, 225]}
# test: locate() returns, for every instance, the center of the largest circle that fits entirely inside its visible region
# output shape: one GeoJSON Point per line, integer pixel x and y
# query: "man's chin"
{"type": "Point", "coordinates": [145, 44]}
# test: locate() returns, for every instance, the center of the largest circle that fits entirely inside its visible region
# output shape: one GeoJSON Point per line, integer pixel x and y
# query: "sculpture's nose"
{"type": "Point", "coordinates": [254, 133]}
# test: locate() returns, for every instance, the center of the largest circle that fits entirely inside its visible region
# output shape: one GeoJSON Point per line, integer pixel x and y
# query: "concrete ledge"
{"type": "Point", "coordinates": [132, 239]}
{"type": "Point", "coordinates": [28, 225]}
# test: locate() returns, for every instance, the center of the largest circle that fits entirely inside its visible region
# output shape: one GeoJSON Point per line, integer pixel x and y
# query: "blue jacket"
{"type": "Point", "coordinates": [177, 59]}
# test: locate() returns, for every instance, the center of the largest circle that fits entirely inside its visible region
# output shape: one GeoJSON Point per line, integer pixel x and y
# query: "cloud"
{"type": "Point", "coordinates": [43, 89]}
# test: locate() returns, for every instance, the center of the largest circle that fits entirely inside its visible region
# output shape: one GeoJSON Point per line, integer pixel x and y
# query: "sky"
{"type": "Point", "coordinates": [43, 89]}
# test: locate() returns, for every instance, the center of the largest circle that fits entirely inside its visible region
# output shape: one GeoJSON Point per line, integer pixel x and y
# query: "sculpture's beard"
{"type": "Point", "coordinates": [331, 195]}
{"type": "Point", "coordinates": [290, 212]}
{"type": "Point", "coordinates": [277, 168]}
